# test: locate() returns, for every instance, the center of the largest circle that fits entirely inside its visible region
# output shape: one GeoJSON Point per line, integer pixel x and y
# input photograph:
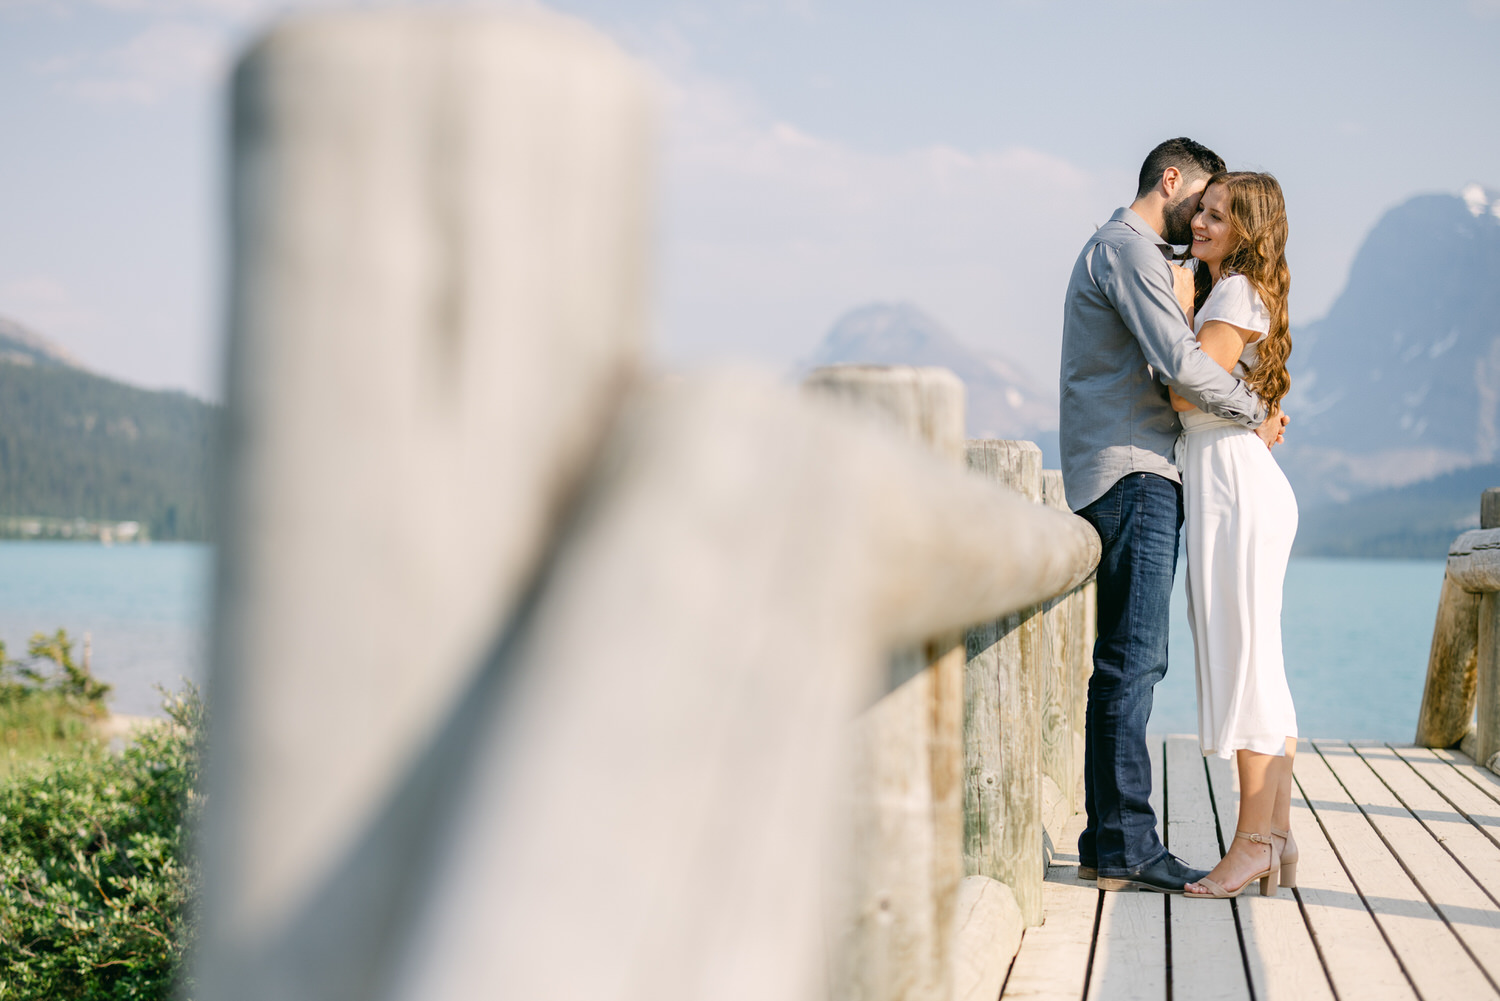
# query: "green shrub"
{"type": "Point", "coordinates": [96, 867]}
{"type": "Point", "coordinates": [48, 703]}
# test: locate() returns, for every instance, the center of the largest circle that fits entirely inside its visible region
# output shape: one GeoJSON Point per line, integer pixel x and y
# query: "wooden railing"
{"type": "Point", "coordinates": [989, 723]}
{"type": "Point", "coordinates": [1461, 700]}
{"type": "Point", "coordinates": [536, 677]}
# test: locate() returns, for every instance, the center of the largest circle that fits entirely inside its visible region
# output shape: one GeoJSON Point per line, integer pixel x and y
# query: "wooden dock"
{"type": "Point", "coordinates": [1398, 890]}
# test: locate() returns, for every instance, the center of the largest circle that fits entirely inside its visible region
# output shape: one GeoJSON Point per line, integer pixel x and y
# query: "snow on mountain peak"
{"type": "Point", "coordinates": [1480, 200]}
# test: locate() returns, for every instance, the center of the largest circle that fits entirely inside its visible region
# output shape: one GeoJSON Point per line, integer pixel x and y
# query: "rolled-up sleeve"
{"type": "Point", "coordinates": [1138, 284]}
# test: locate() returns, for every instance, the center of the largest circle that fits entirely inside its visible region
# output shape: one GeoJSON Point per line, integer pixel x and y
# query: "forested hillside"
{"type": "Point", "coordinates": [1417, 521]}
{"type": "Point", "coordinates": [75, 445]}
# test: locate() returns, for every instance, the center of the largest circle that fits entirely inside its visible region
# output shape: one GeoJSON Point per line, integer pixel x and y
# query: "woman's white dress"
{"type": "Point", "coordinates": [1240, 519]}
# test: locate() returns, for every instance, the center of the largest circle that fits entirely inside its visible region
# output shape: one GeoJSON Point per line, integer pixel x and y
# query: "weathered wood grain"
{"type": "Point", "coordinates": [1448, 696]}
{"type": "Point", "coordinates": [1083, 667]}
{"type": "Point", "coordinates": [1003, 789]}
{"type": "Point", "coordinates": [908, 807]}
{"type": "Point", "coordinates": [1474, 560]}
{"type": "Point", "coordinates": [1057, 703]}
{"type": "Point", "coordinates": [1489, 508]}
{"type": "Point", "coordinates": [1487, 682]}
{"type": "Point", "coordinates": [1359, 962]}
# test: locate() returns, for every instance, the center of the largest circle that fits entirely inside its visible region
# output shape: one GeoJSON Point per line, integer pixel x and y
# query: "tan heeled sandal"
{"type": "Point", "coordinates": [1267, 877]}
{"type": "Point", "coordinates": [1288, 858]}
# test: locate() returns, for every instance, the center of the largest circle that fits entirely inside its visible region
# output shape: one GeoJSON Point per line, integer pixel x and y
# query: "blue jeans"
{"type": "Point", "coordinates": [1138, 520]}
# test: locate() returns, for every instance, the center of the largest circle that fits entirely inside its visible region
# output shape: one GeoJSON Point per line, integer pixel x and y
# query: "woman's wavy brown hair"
{"type": "Point", "coordinates": [1257, 221]}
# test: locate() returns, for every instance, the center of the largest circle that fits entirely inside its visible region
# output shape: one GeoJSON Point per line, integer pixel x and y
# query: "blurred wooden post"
{"type": "Point", "coordinates": [1452, 669]}
{"type": "Point", "coordinates": [1003, 691]}
{"type": "Point", "coordinates": [1058, 704]}
{"type": "Point", "coordinates": [1449, 695]}
{"type": "Point", "coordinates": [907, 805]}
{"type": "Point", "coordinates": [440, 230]}
{"type": "Point", "coordinates": [1473, 571]}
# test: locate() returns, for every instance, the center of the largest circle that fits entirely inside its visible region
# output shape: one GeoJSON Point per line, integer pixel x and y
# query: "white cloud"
{"type": "Point", "coordinates": [771, 232]}
{"type": "Point", "coordinates": [164, 58]}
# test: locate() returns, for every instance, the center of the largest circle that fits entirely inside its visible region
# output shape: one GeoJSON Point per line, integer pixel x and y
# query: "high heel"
{"type": "Point", "coordinates": [1288, 858]}
{"type": "Point", "coordinates": [1268, 877]}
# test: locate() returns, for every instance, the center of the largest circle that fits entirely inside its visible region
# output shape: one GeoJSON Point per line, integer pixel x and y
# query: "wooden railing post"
{"type": "Point", "coordinates": [440, 230]}
{"type": "Point", "coordinates": [907, 808]}
{"type": "Point", "coordinates": [1003, 693]}
{"type": "Point", "coordinates": [1486, 672]}
{"type": "Point", "coordinates": [1062, 727]}
{"type": "Point", "coordinates": [1487, 687]}
{"type": "Point", "coordinates": [1453, 663]}
{"type": "Point", "coordinates": [1448, 696]}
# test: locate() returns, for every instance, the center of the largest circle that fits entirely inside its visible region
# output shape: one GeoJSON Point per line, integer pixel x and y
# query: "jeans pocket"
{"type": "Point", "coordinates": [1105, 514]}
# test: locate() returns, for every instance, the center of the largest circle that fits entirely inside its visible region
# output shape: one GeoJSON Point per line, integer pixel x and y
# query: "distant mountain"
{"type": "Point", "coordinates": [1400, 382]}
{"type": "Point", "coordinates": [77, 445]}
{"type": "Point", "coordinates": [20, 346]}
{"type": "Point", "coordinates": [1416, 521]}
{"type": "Point", "coordinates": [1003, 402]}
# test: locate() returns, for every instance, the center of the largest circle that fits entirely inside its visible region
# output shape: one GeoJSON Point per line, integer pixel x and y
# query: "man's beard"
{"type": "Point", "coordinates": [1177, 220]}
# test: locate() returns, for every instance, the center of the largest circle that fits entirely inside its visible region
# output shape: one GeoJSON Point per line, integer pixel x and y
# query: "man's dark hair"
{"type": "Point", "coordinates": [1190, 158]}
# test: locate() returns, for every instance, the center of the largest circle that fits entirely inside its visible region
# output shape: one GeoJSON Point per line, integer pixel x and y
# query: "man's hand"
{"type": "Point", "coordinates": [1272, 432]}
{"type": "Point", "coordinates": [1182, 287]}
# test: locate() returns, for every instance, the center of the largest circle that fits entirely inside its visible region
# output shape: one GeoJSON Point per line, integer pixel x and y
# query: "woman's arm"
{"type": "Point", "coordinates": [1224, 343]}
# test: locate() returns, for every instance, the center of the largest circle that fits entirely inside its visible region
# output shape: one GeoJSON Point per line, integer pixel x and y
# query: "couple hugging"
{"type": "Point", "coordinates": [1171, 383]}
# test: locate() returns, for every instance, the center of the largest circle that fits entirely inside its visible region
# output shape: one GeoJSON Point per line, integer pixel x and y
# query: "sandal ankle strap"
{"type": "Point", "coordinates": [1280, 833]}
{"type": "Point", "coordinates": [1254, 836]}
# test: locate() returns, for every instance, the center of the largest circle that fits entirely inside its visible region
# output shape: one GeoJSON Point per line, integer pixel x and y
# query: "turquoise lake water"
{"type": "Point", "coordinates": [1356, 632]}
{"type": "Point", "coordinates": [145, 608]}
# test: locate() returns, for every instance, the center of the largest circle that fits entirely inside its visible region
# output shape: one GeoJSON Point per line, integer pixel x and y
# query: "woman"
{"type": "Point", "coordinates": [1240, 519]}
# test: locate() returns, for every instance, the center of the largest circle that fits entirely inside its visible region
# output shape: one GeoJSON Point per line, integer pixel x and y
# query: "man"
{"type": "Point", "coordinates": [1125, 339]}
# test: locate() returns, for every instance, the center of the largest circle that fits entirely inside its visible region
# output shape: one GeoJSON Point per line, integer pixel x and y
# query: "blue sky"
{"type": "Point", "coordinates": [818, 154]}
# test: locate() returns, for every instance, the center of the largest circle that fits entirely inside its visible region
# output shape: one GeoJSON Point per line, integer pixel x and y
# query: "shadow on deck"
{"type": "Point", "coordinates": [1398, 891]}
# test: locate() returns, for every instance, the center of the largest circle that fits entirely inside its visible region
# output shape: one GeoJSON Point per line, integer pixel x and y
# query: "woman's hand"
{"type": "Point", "coordinates": [1182, 286]}
{"type": "Point", "coordinates": [1272, 432]}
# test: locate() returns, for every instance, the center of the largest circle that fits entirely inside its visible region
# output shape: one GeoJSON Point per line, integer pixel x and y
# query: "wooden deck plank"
{"type": "Point", "coordinates": [1473, 916]}
{"type": "Point", "coordinates": [1482, 778]}
{"type": "Point", "coordinates": [1279, 948]}
{"type": "Point", "coordinates": [1471, 801]}
{"type": "Point", "coordinates": [1355, 954]}
{"type": "Point", "coordinates": [1207, 964]}
{"type": "Point", "coordinates": [1130, 956]}
{"type": "Point", "coordinates": [1052, 963]}
{"type": "Point", "coordinates": [1436, 961]}
{"type": "Point", "coordinates": [1467, 844]}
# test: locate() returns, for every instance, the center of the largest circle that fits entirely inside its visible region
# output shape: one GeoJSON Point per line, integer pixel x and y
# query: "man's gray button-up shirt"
{"type": "Point", "coordinates": [1125, 339]}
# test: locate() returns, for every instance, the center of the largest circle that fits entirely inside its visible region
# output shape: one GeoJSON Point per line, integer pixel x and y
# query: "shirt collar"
{"type": "Point", "coordinates": [1127, 216]}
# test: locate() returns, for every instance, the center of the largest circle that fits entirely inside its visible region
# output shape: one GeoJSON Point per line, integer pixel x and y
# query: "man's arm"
{"type": "Point", "coordinates": [1139, 286]}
